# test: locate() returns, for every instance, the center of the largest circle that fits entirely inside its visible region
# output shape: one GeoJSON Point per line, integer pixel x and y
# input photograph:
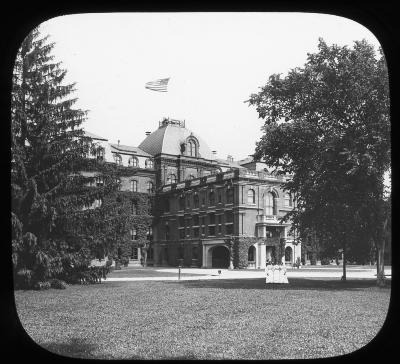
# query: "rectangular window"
{"type": "Point", "coordinates": [203, 220]}
{"type": "Point", "coordinates": [181, 221]}
{"type": "Point", "coordinates": [211, 230]}
{"type": "Point", "coordinates": [229, 229]}
{"type": "Point", "coordinates": [220, 229]}
{"type": "Point", "coordinates": [133, 234]}
{"type": "Point", "coordinates": [196, 232]}
{"type": "Point", "coordinates": [203, 199]}
{"type": "Point", "coordinates": [229, 216]}
{"type": "Point", "coordinates": [188, 232]}
{"type": "Point", "coordinates": [196, 220]}
{"type": "Point", "coordinates": [182, 233]}
{"type": "Point", "coordinates": [166, 205]}
{"type": "Point", "coordinates": [203, 230]}
{"type": "Point", "coordinates": [181, 203]}
{"type": "Point", "coordinates": [211, 218]}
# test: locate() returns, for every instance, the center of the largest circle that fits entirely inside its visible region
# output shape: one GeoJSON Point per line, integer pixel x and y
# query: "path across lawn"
{"type": "Point", "coordinates": [172, 274]}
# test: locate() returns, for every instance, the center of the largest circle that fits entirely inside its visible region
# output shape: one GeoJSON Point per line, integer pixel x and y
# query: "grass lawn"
{"type": "Point", "coordinates": [214, 319]}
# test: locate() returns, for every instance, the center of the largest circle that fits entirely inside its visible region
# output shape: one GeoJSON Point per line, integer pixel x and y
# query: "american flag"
{"type": "Point", "coordinates": [158, 85]}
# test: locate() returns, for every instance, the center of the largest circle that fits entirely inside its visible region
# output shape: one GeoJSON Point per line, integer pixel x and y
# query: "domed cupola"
{"type": "Point", "coordinates": [173, 138]}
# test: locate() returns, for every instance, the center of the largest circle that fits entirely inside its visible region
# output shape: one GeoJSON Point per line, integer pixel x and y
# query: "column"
{"type": "Point", "coordinates": [204, 264]}
{"type": "Point", "coordinates": [263, 256]}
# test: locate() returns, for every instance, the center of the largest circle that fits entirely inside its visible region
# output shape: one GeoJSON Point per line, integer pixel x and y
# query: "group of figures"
{"type": "Point", "coordinates": [275, 273]}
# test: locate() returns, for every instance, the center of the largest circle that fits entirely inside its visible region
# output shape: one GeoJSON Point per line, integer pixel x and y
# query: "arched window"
{"type": "Point", "coordinates": [251, 254]}
{"type": "Point", "coordinates": [251, 197]}
{"type": "Point", "coordinates": [270, 204]}
{"type": "Point", "coordinates": [171, 179]}
{"type": "Point", "coordinates": [133, 162]}
{"type": "Point", "coordinates": [192, 148]}
{"type": "Point", "coordinates": [149, 163]}
{"type": "Point", "coordinates": [118, 159]}
{"type": "Point", "coordinates": [150, 187]}
{"type": "Point", "coordinates": [288, 200]}
{"type": "Point", "coordinates": [99, 181]}
{"type": "Point", "coordinates": [134, 185]}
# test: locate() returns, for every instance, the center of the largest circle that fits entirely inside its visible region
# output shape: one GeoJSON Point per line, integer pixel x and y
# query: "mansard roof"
{"type": "Point", "coordinates": [167, 139]}
{"type": "Point", "coordinates": [128, 149]}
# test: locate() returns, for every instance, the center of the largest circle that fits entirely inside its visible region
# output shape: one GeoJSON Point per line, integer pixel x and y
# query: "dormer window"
{"type": "Point", "coordinates": [100, 153]}
{"type": "Point", "coordinates": [192, 147]}
{"type": "Point", "coordinates": [171, 179]}
{"type": "Point", "coordinates": [118, 159]}
{"type": "Point", "coordinates": [133, 162]}
{"type": "Point", "coordinates": [149, 163]}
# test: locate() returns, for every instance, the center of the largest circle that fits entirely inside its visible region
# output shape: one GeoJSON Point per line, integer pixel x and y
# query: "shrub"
{"type": "Point", "coordinates": [58, 284]}
{"type": "Point", "coordinates": [23, 279]}
{"type": "Point", "coordinates": [42, 285]}
{"type": "Point", "coordinates": [125, 261]}
{"type": "Point", "coordinates": [325, 261]}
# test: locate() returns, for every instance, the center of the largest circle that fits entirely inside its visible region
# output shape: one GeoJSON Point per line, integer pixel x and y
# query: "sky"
{"type": "Point", "coordinates": [215, 61]}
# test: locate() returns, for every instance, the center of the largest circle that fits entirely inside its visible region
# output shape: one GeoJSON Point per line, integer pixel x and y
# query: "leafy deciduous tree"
{"type": "Point", "coordinates": [328, 125]}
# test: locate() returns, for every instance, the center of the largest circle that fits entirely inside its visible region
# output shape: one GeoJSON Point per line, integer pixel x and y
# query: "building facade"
{"type": "Point", "coordinates": [208, 212]}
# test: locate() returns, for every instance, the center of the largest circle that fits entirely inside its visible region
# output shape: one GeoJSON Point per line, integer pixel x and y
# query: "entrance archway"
{"type": "Point", "coordinates": [220, 257]}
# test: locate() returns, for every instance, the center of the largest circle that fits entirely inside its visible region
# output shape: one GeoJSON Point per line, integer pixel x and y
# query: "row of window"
{"type": "Point", "coordinates": [171, 178]}
{"type": "Point", "coordinates": [212, 230]}
{"type": "Point", "coordinates": [197, 220]}
{"type": "Point", "coordinates": [187, 202]}
{"type": "Point", "coordinates": [133, 161]}
{"type": "Point", "coordinates": [195, 203]}
{"type": "Point", "coordinates": [133, 184]}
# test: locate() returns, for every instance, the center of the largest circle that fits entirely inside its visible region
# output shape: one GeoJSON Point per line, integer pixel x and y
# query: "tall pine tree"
{"type": "Point", "coordinates": [53, 234]}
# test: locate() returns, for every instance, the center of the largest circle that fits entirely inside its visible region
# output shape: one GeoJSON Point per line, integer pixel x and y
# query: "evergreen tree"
{"type": "Point", "coordinates": [53, 231]}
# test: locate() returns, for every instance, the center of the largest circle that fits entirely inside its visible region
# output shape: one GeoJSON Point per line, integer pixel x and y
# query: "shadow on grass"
{"type": "Point", "coordinates": [76, 348]}
{"type": "Point", "coordinates": [294, 284]}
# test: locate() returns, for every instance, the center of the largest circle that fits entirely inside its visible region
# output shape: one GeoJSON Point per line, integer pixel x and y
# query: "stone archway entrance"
{"type": "Point", "coordinates": [220, 257]}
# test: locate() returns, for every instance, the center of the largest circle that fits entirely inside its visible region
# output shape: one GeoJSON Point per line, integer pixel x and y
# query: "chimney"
{"type": "Point", "coordinates": [118, 142]}
{"type": "Point", "coordinates": [148, 133]}
{"type": "Point", "coordinates": [229, 158]}
{"type": "Point", "coordinates": [214, 153]}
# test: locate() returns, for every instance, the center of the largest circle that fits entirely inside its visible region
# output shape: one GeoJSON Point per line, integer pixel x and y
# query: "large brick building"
{"type": "Point", "coordinates": [208, 212]}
